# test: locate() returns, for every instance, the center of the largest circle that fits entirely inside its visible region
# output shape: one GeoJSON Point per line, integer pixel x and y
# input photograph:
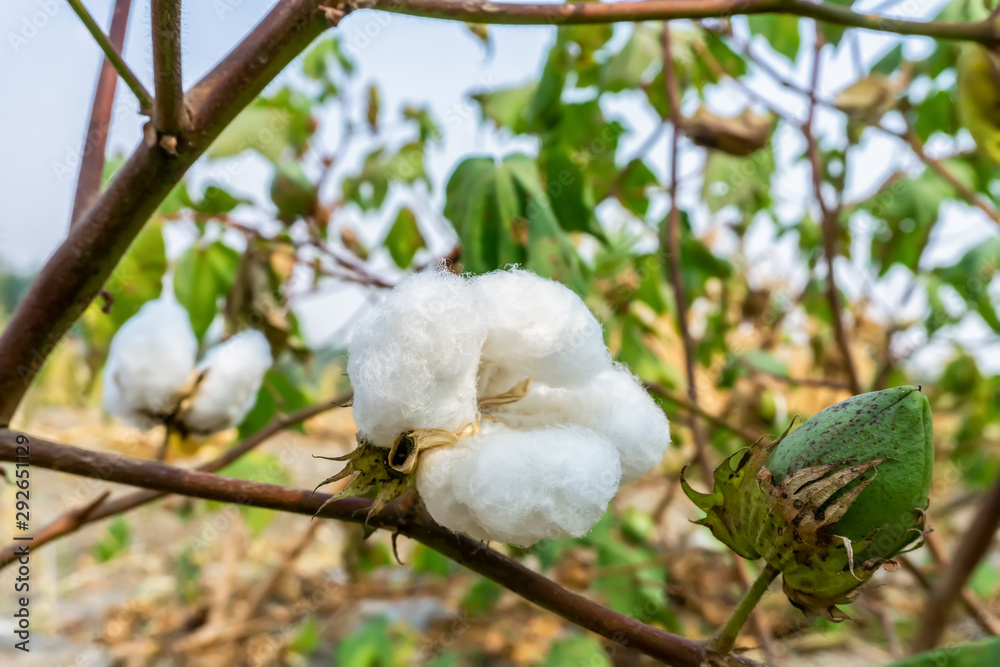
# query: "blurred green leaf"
{"type": "Point", "coordinates": [404, 238]}
{"type": "Point", "coordinates": [114, 542]}
{"type": "Point", "coordinates": [204, 274]}
{"type": "Point", "coordinates": [575, 651]}
{"type": "Point", "coordinates": [780, 30]}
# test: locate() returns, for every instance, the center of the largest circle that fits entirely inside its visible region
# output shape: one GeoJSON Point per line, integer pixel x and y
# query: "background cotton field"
{"type": "Point", "coordinates": [524, 296]}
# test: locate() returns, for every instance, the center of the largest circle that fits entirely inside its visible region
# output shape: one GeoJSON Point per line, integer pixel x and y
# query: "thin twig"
{"type": "Point", "coordinates": [829, 223]}
{"type": "Point", "coordinates": [670, 244]}
{"type": "Point", "coordinates": [74, 519]}
{"type": "Point", "coordinates": [516, 577]}
{"type": "Point", "coordinates": [88, 182]}
{"type": "Point", "coordinates": [692, 408]}
{"type": "Point", "coordinates": [130, 79]}
{"type": "Point", "coordinates": [168, 107]}
{"type": "Point", "coordinates": [971, 549]}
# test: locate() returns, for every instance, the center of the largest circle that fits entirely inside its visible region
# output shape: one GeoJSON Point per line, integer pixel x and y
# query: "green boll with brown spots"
{"type": "Point", "coordinates": [832, 501]}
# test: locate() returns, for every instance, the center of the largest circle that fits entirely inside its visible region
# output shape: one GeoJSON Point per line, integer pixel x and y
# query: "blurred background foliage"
{"type": "Point", "coordinates": [574, 206]}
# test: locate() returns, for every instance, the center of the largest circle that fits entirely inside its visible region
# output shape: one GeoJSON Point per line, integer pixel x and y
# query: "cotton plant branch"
{"type": "Point", "coordinates": [112, 54]}
{"type": "Point", "coordinates": [88, 183]}
{"type": "Point", "coordinates": [473, 11]}
{"type": "Point", "coordinates": [829, 224]}
{"type": "Point", "coordinates": [692, 408]}
{"type": "Point", "coordinates": [532, 586]}
{"type": "Point", "coordinates": [168, 105]}
{"type": "Point", "coordinates": [670, 243]}
{"type": "Point", "coordinates": [77, 270]}
{"type": "Point", "coordinates": [97, 509]}
{"type": "Point", "coordinates": [971, 549]}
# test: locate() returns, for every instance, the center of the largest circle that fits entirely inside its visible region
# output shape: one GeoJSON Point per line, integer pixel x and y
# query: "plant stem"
{"type": "Point", "coordinates": [168, 107]}
{"type": "Point", "coordinates": [129, 77]}
{"type": "Point", "coordinates": [724, 639]}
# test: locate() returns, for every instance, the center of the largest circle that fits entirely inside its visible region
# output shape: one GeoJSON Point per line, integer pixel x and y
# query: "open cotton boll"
{"type": "Point", "coordinates": [538, 328]}
{"type": "Point", "coordinates": [234, 371]}
{"type": "Point", "coordinates": [520, 487]}
{"type": "Point", "coordinates": [413, 360]}
{"type": "Point", "coordinates": [614, 403]}
{"type": "Point", "coordinates": [149, 361]}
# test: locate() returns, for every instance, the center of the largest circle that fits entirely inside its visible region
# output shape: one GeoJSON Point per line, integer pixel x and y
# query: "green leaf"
{"type": "Point", "coordinates": [216, 201]}
{"type": "Point", "coordinates": [404, 238]}
{"type": "Point", "coordinates": [780, 30]}
{"type": "Point", "coordinates": [293, 193]}
{"type": "Point", "coordinates": [306, 640]}
{"type": "Point", "coordinates": [971, 277]}
{"type": "Point", "coordinates": [481, 597]}
{"type": "Point", "coordinates": [202, 275]}
{"type": "Point", "coordinates": [570, 196]}
{"type": "Point", "coordinates": [575, 651]}
{"type": "Point", "coordinates": [115, 540]}
{"type": "Point", "coordinates": [743, 182]}
{"type": "Point", "coordinates": [625, 70]}
{"type": "Point", "coordinates": [429, 561]}
{"type": "Point", "coordinates": [545, 107]}
{"type": "Point", "coordinates": [369, 188]}
{"type": "Point", "coordinates": [278, 393]}
{"type": "Point", "coordinates": [369, 647]}
{"type": "Point", "coordinates": [890, 62]}
{"type": "Point", "coordinates": [632, 193]}
{"type": "Point", "coordinates": [978, 654]}
{"type": "Point", "coordinates": [268, 125]}
{"type": "Point", "coordinates": [506, 106]}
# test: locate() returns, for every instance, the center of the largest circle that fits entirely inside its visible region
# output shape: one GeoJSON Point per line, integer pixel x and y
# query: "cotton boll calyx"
{"type": "Point", "coordinates": [538, 328]}
{"type": "Point", "coordinates": [413, 360]}
{"type": "Point", "coordinates": [613, 403]}
{"type": "Point", "coordinates": [149, 362]}
{"type": "Point", "coordinates": [520, 487]}
{"type": "Point", "coordinates": [233, 373]}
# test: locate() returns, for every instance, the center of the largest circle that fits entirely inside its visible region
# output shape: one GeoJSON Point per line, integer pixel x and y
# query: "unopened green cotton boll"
{"type": "Point", "coordinates": [832, 501]}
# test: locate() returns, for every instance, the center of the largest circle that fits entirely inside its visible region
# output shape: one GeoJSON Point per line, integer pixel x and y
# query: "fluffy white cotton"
{"type": "Point", "coordinates": [519, 487]}
{"type": "Point", "coordinates": [149, 361]}
{"type": "Point", "coordinates": [413, 361]}
{"type": "Point", "coordinates": [614, 403]}
{"type": "Point", "coordinates": [538, 328]}
{"type": "Point", "coordinates": [234, 371]}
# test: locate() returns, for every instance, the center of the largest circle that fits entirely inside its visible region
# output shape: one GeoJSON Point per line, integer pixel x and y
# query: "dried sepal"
{"type": "Point", "coordinates": [372, 474]}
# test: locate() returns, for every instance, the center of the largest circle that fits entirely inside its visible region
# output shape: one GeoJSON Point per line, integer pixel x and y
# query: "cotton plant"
{"type": "Point", "coordinates": [496, 397]}
{"type": "Point", "coordinates": [153, 376]}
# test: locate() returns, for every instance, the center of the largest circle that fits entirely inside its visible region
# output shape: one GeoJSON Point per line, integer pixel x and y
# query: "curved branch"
{"type": "Point", "coordinates": [78, 269]}
{"type": "Point", "coordinates": [98, 509]}
{"type": "Point", "coordinates": [88, 182]}
{"type": "Point", "coordinates": [509, 13]}
{"type": "Point", "coordinates": [669, 648]}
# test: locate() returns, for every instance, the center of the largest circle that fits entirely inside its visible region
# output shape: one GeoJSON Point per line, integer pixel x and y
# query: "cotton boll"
{"type": "Point", "coordinates": [234, 371]}
{"type": "Point", "coordinates": [538, 328]}
{"type": "Point", "coordinates": [149, 361]}
{"type": "Point", "coordinates": [413, 360]}
{"type": "Point", "coordinates": [614, 403]}
{"type": "Point", "coordinates": [519, 487]}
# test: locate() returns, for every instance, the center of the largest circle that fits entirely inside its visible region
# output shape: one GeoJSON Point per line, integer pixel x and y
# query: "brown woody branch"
{"type": "Point", "coordinates": [168, 105]}
{"type": "Point", "coordinates": [829, 224]}
{"type": "Point", "coordinates": [78, 269]}
{"type": "Point", "coordinates": [669, 648]}
{"type": "Point", "coordinates": [88, 183]}
{"type": "Point", "coordinates": [971, 549]}
{"type": "Point", "coordinates": [474, 11]}
{"type": "Point", "coordinates": [97, 510]}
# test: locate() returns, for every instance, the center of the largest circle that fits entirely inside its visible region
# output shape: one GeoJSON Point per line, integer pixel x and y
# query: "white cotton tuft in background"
{"type": "Point", "coordinates": [234, 371]}
{"type": "Point", "coordinates": [413, 360]}
{"type": "Point", "coordinates": [538, 328]}
{"type": "Point", "coordinates": [614, 403]}
{"type": "Point", "coordinates": [149, 361]}
{"type": "Point", "coordinates": [520, 487]}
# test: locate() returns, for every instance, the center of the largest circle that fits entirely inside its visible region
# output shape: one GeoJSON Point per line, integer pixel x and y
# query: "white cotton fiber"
{"type": "Point", "coordinates": [234, 371]}
{"type": "Point", "coordinates": [614, 403]}
{"type": "Point", "coordinates": [149, 361]}
{"type": "Point", "coordinates": [519, 487]}
{"type": "Point", "coordinates": [538, 328]}
{"type": "Point", "coordinates": [413, 360]}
